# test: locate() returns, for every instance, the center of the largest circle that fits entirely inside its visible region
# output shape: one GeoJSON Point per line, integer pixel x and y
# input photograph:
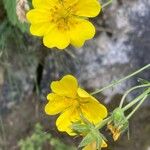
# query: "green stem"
{"type": "Point", "coordinates": [130, 90]}
{"type": "Point", "coordinates": [137, 107]}
{"type": "Point", "coordinates": [106, 4]}
{"type": "Point", "coordinates": [103, 123]}
{"type": "Point", "coordinates": [121, 80]}
{"type": "Point", "coordinates": [136, 100]}
{"type": "Point", "coordinates": [70, 53]}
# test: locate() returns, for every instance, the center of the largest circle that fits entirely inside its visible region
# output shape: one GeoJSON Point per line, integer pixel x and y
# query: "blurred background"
{"type": "Point", "coordinates": [121, 45]}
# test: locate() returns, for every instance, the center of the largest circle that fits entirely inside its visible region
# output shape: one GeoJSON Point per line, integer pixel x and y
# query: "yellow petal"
{"type": "Point", "coordinates": [82, 93]}
{"type": "Point", "coordinates": [40, 29]}
{"type": "Point", "coordinates": [35, 16]}
{"type": "Point", "coordinates": [82, 30]}
{"type": "Point", "coordinates": [93, 110]}
{"type": "Point", "coordinates": [87, 8]}
{"type": "Point", "coordinates": [70, 3]}
{"type": "Point", "coordinates": [66, 119]}
{"type": "Point", "coordinates": [111, 128]}
{"type": "Point", "coordinates": [56, 38]}
{"type": "Point", "coordinates": [51, 96]}
{"type": "Point", "coordinates": [92, 146]}
{"type": "Point", "coordinates": [67, 86]}
{"type": "Point", "coordinates": [115, 131]}
{"type": "Point", "coordinates": [43, 3]}
{"type": "Point", "coordinates": [40, 21]}
{"type": "Point", "coordinates": [104, 144]}
{"type": "Point", "coordinates": [57, 104]}
{"type": "Point", "coordinates": [116, 136]}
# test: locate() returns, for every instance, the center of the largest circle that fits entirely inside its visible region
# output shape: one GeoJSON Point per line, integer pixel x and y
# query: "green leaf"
{"type": "Point", "coordinates": [88, 139]}
{"type": "Point", "coordinates": [10, 7]}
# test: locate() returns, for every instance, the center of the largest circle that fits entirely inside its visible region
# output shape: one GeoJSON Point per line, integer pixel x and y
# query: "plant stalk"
{"type": "Point", "coordinates": [121, 80]}
{"type": "Point", "coordinates": [136, 99]}
{"type": "Point", "coordinates": [130, 90]}
{"type": "Point", "coordinates": [137, 107]}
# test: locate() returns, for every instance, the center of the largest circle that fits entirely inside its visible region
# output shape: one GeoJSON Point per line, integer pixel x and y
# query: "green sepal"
{"type": "Point", "coordinates": [80, 128]}
{"type": "Point", "coordinates": [88, 139]}
{"type": "Point", "coordinates": [118, 116]}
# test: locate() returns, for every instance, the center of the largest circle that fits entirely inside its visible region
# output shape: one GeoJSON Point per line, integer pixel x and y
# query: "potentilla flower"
{"type": "Point", "coordinates": [62, 22]}
{"type": "Point", "coordinates": [71, 101]}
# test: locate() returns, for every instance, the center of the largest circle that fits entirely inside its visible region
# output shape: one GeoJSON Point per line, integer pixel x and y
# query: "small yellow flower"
{"type": "Point", "coordinates": [70, 101]}
{"type": "Point", "coordinates": [115, 131]}
{"type": "Point", "coordinates": [92, 146]}
{"type": "Point", "coordinates": [62, 22]}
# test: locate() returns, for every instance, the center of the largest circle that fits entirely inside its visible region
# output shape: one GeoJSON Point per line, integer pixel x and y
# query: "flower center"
{"type": "Point", "coordinates": [61, 15]}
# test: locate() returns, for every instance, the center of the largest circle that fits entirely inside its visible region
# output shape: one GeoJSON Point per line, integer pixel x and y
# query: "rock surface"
{"type": "Point", "coordinates": [110, 56]}
{"type": "Point", "coordinates": [121, 45]}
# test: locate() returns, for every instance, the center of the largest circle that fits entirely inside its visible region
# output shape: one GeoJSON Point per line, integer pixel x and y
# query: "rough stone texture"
{"type": "Point", "coordinates": [120, 46]}
{"type": "Point", "coordinates": [19, 81]}
{"type": "Point", "coordinates": [109, 56]}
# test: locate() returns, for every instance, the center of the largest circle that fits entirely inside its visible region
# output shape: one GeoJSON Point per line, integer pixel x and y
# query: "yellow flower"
{"type": "Point", "coordinates": [115, 131]}
{"type": "Point", "coordinates": [92, 146]}
{"type": "Point", "coordinates": [68, 99]}
{"type": "Point", "coordinates": [62, 22]}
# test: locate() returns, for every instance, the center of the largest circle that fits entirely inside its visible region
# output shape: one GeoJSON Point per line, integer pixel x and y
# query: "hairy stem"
{"type": "Point", "coordinates": [106, 4]}
{"type": "Point", "coordinates": [137, 107]}
{"type": "Point", "coordinates": [130, 90]}
{"type": "Point", "coordinates": [121, 80]}
{"type": "Point", "coordinates": [103, 123]}
{"type": "Point", "coordinates": [136, 99]}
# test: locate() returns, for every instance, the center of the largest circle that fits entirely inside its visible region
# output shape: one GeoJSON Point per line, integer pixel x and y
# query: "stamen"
{"type": "Point", "coordinates": [61, 15]}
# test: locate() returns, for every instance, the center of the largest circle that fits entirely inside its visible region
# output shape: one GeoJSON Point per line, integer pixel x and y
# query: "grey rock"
{"type": "Point", "coordinates": [108, 58]}
{"type": "Point", "coordinates": [19, 81]}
